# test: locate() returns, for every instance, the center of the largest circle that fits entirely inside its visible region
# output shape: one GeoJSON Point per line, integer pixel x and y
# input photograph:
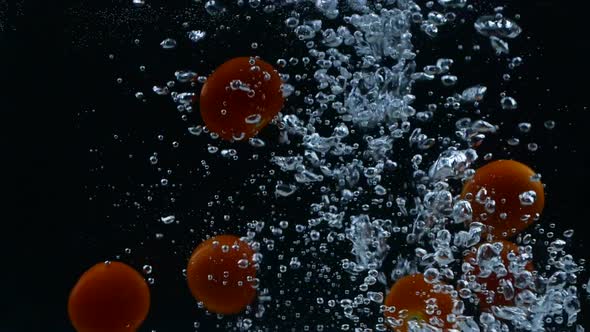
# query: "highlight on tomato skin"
{"type": "Point", "coordinates": [411, 298]}
{"type": "Point", "coordinates": [109, 297]}
{"type": "Point", "coordinates": [221, 274]}
{"type": "Point", "coordinates": [240, 98]}
{"type": "Point", "coordinates": [494, 289]}
{"type": "Point", "coordinates": [506, 196]}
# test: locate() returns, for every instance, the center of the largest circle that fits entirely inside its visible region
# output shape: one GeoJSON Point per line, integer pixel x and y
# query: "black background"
{"type": "Point", "coordinates": [59, 58]}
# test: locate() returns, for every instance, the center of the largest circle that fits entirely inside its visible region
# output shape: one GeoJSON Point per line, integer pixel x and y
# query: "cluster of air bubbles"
{"type": "Point", "coordinates": [196, 35]}
{"type": "Point", "coordinates": [498, 29]}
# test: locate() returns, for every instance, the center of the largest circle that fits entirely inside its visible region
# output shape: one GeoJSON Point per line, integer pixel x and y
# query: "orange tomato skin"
{"type": "Point", "coordinates": [504, 181]}
{"type": "Point", "coordinates": [215, 278]}
{"type": "Point", "coordinates": [492, 282]}
{"type": "Point", "coordinates": [410, 293]}
{"type": "Point", "coordinates": [109, 297]}
{"type": "Point", "coordinates": [219, 95]}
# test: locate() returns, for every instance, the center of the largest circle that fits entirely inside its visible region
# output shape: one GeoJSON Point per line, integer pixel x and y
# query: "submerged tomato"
{"type": "Point", "coordinates": [220, 274]}
{"type": "Point", "coordinates": [240, 98]}
{"type": "Point", "coordinates": [109, 297]}
{"type": "Point", "coordinates": [493, 293]}
{"type": "Point", "coordinates": [415, 299]}
{"type": "Point", "coordinates": [501, 195]}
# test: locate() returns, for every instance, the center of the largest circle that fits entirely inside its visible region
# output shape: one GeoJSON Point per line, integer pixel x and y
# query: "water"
{"type": "Point", "coordinates": [357, 123]}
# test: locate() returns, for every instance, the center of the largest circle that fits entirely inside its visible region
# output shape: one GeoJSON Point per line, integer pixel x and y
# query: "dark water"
{"type": "Point", "coordinates": [74, 207]}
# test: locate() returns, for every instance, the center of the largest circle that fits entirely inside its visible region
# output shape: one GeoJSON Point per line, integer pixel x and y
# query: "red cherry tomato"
{"type": "Point", "coordinates": [240, 98]}
{"type": "Point", "coordinates": [409, 296]}
{"type": "Point", "coordinates": [220, 274]}
{"type": "Point", "coordinates": [109, 297]}
{"type": "Point", "coordinates": [493, 293]}
{"type": "Point", "coordinates": [502, 183]}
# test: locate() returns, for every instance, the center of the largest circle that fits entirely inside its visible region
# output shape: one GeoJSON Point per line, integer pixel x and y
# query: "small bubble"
{"type": "Point", "coordinates": [253, 119]}
{"type": "Point", "coordinates": [528, 198]}
{"type": "Point", "coordinates": [168, 44]}
{"type": "Point", "coordinates": [508, 103]}
{"type": "Point", "coordinates": [513, 141]}
{"type": "Point", "coordinates": [532, 147]}
{"type": "Point", "coordinates": [168, 219]}
{"type": "Point", "coordinates": [147, 269]}
{"type": "Point", "coordinates": [243, 263]}
{"type": "Point", "coordinates": [524, 127]}
{"type": "Point", "coordinates": [568, 233]}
